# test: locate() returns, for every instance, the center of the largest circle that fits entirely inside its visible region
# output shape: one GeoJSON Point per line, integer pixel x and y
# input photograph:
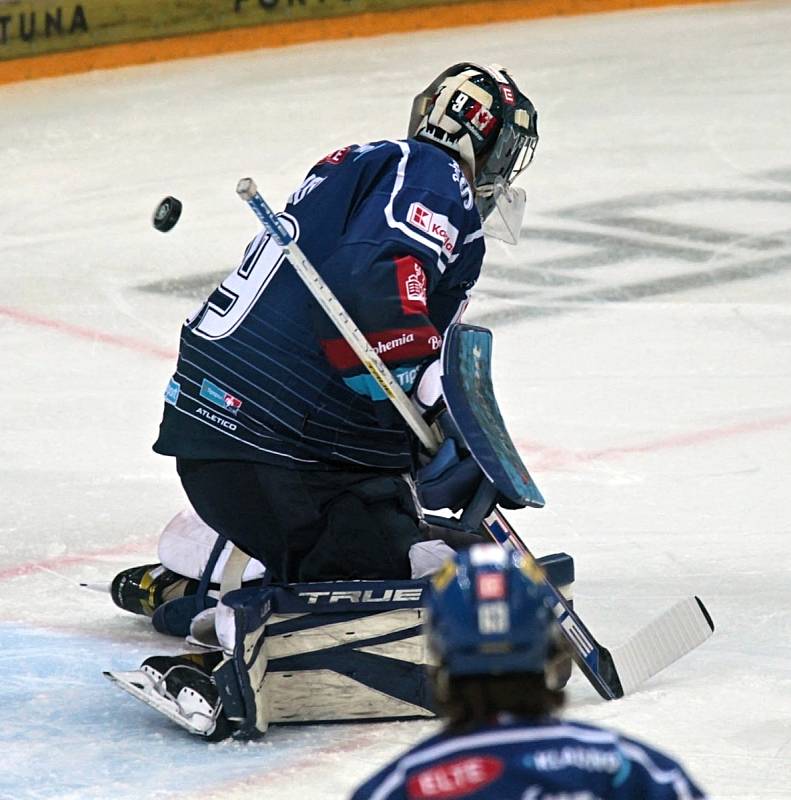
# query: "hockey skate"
{"type": "Point", "coordinates": [170, 599]}
{"type": "Point", "coordinates": [143, 589]}
{"type": "Point", "coordinates": [181, 688]}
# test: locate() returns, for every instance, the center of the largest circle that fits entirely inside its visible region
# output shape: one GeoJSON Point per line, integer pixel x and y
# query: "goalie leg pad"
{"type": "Point", "coordinates": [559, 568]}
{"type": "Point", "coordinates": [307, 652]}
{"type": "Point", "coordinates": [334, 651]}
{"type": "Point", "coordinates": [326, 652]}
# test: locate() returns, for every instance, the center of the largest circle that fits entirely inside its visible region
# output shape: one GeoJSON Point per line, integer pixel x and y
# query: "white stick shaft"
{"type": "Point", "coordinates": [325, 297]}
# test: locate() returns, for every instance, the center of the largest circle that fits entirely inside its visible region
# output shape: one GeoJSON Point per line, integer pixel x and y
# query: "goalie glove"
{"type": "Point", "coordinates": [450, 478]}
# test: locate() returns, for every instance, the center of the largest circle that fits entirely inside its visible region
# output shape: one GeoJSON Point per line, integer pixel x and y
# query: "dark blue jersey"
{"type": "Point", "coordinates": [517, 760]}
{"type": "Point", "coordinates": [263, 374]}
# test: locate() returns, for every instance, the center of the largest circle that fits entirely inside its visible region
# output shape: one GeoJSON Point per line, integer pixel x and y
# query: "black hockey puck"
{"type": "Point", "coordinates": [167, 214]}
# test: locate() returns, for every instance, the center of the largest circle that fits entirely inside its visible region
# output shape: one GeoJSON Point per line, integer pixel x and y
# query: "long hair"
{"type": "Point", "coordinates": [466, 701]}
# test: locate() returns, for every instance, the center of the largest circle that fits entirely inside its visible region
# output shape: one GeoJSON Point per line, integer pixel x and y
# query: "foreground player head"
{"type": "Point", "coordinates": [478, 114]}
{"type": "Point", "coordinates": [494, 638]}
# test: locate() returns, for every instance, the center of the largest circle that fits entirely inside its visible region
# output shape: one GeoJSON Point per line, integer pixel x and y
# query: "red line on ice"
{"type": "Point", "coordinates": [552, 458]}
{"type": "Point", "coordinates": [80, 332]}
{"type": "Point", "coordinates": [20, 570]}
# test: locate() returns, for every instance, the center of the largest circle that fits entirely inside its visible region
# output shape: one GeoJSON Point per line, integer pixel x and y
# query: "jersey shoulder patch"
{"type": "Point", "coordinates": [431, 202]}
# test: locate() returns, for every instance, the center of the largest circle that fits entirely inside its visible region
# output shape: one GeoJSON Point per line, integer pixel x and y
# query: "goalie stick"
{"type": "Point", "coordinates": [613, 674]}
{"type": "Point", "coordinates": [678, 630]}
{"type": "Point", "coordinates": [469, 396]}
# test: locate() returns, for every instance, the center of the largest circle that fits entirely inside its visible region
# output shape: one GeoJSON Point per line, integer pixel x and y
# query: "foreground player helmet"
{"type": "Point", "coordinates": [479, 113]}
{"type": "Point", "coordinates": [488, 614]}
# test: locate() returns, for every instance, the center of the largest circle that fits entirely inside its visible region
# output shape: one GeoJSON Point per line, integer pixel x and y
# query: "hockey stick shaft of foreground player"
{"type": "Point", "coordinates": [648, 654]}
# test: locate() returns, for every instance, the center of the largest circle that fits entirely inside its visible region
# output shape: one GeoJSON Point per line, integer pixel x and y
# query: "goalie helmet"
{"type": "Point", "coordinates": [479, 113]}
{"type": "Point", "coordinates": [487, 613]}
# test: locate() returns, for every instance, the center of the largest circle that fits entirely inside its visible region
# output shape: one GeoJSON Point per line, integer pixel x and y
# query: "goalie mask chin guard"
{"type": "Point", "coordinates": [479, 113]}
{"type": "Point", "coordinates": [488, 613]}
{"type": "Point", "coordinates": [504, 221]}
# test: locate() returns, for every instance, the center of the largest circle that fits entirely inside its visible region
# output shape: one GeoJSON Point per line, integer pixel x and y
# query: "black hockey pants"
{"type": "Point", "coordinates": [307, 525]}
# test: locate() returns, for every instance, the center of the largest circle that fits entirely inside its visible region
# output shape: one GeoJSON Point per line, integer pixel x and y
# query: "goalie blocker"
{"type": "Point", "coordinates": [313, 652]}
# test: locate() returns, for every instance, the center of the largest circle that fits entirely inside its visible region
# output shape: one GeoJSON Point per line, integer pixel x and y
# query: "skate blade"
{"type": "Point", "coordinates": [139, 685]}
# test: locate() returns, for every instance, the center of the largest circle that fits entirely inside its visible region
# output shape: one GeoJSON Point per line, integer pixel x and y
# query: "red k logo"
{"type": "Point", "coordinates": [420, 216]}
{"type": "Point", "coordinates": [438, 226]}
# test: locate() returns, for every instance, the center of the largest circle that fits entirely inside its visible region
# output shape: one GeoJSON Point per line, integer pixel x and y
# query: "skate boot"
{"type": "Point", "coordinates": [181, 688]}
{"type": "Point", "coordinates": [142, 590]}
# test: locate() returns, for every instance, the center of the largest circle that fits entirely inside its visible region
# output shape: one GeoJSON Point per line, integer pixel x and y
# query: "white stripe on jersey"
{"type": "Point", "coordinates": [673, 776]}
{"type": "Point", "coordinates": [245, 441]}
{"type": "Point", "coordinates": [400, 226]}
{"type": "Point", "coordinates": [238, 422]}
{"type": "Point", "coordinates": [470, 237]}
{"type": "Point", "coordinates": [460, 310]}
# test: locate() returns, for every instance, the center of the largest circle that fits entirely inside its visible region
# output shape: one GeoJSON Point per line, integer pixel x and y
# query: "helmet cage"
{"type": "Point", "coordinates": [511, 156]}
{"type": "Point", "coordinates": [503, 155]}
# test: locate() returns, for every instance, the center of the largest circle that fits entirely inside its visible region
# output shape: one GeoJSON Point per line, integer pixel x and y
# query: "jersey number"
{"type": "Point", "coordinates": [235, 297]}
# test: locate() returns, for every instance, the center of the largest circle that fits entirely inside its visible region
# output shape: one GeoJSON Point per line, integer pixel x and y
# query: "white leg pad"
{"type": "Point", "coordinates": [186, 543]}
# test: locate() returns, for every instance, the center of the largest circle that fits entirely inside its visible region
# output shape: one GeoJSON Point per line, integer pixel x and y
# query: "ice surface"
{"type": "Point", "coordinates": [642, 359]}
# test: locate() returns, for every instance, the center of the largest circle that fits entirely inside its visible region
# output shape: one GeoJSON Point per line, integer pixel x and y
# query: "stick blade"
{"type": "Point", "coordinates": [669, 637]}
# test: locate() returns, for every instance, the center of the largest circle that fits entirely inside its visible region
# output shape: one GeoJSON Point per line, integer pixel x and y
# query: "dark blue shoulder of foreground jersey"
{"type": "Point", "coordinates": [539, 760]}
